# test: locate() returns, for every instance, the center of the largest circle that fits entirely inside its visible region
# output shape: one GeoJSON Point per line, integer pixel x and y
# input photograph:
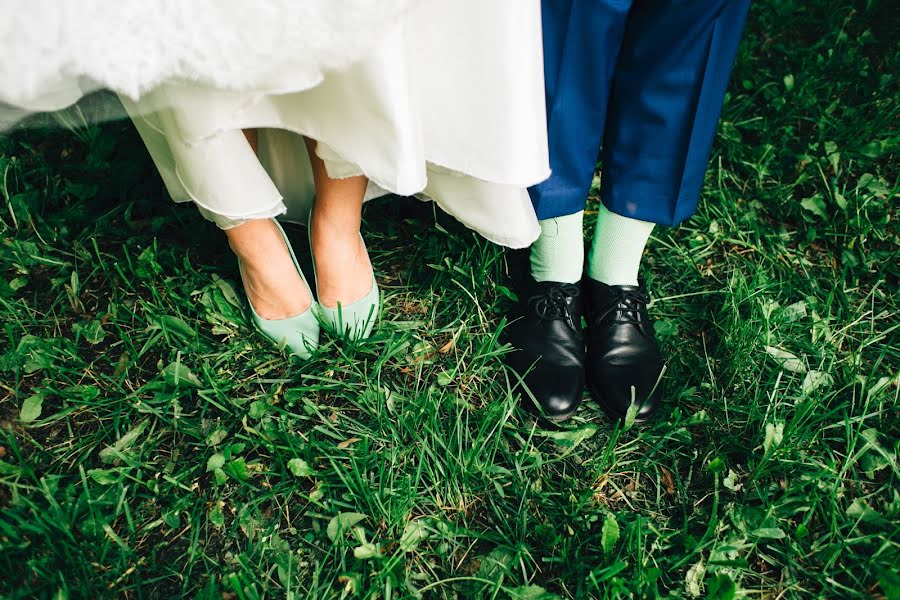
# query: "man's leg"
{"type": "Point", "coordinates": [668, 88]}
{"type": "Point", "coordinates": [581, 44]}
{"type": "Point", "coordinates": [581, 39]}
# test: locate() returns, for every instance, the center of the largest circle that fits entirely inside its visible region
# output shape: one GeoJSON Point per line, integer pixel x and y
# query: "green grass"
{"type": "Point", "coordinates": [153, 445]}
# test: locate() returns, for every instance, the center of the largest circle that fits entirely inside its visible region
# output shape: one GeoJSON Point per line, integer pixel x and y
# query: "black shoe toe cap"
{"type": "Point", "coordinates": [557, 390]}
{"type": "Point", "coordinates": [615, 388]}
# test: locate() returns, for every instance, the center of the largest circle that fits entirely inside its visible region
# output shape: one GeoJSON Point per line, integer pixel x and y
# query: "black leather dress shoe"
{"type": "Point", "coordinates": [624, 363]}
{"type": "Point", "coordinates": [549, 347]}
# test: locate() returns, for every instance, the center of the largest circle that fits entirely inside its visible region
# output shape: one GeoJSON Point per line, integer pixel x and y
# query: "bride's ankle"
{"type": "Point", "coordinates": [332, 233]}
{"type": "Point", "coordinates": [250, 236]}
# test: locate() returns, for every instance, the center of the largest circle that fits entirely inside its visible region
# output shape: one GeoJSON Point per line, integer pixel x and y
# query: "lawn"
{"type": "Point", "coordinates": [152, 445]}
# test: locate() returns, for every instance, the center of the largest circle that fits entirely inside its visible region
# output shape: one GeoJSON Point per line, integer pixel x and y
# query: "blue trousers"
{"type": "Point", "coordinates": [644, 80]}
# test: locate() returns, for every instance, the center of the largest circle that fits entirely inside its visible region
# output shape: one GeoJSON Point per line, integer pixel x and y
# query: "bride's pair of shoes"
{"type": "Point", "coordinates": [300, 333]}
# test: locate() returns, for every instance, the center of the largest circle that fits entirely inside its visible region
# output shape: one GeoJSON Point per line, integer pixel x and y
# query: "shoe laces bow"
{"type": "Point", "coordinates": [628, 307]}
{"type": "Point", "coordinates": [552, 302]}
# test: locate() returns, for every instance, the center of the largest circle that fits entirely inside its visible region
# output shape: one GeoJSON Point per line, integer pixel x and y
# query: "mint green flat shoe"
{"type": "Point", "coordinates": [300, 333]}
{"type": "Point", "coordinates": [356, 320]}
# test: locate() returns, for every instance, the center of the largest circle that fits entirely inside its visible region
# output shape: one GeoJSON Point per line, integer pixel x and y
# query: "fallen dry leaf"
{"type": "Point", "coordinates": [667, 481]}
{"type": "Point", "coordinates": [347, 443]}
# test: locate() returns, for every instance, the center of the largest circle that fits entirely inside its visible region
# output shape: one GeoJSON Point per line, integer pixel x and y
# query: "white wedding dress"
{"type": "Point", "coordinates": [432, 98]}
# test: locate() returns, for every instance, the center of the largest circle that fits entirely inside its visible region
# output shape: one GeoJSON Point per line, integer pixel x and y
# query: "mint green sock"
{"type": "Point", "coordinates": [617, 247]}
{"type": "Point", "coordinates": [558, 254]}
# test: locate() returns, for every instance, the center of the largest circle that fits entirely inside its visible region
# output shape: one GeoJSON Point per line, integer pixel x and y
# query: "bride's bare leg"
{"type": "Point", "coordinates": [343, 269]}
{"type": "Point", "coordinates": [273, 286]}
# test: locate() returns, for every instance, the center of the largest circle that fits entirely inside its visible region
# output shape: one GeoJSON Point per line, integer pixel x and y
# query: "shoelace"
{"type": "Point", "coordinates": [629, 308]}
{"type": "Point", "coordinates": [551, 303]}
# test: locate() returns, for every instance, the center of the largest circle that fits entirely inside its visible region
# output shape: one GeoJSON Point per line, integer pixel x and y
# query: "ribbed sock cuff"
{"type": "Point", "coordinates": [558, 254]}
{"type": "Point", "coordinates": [617, 248]}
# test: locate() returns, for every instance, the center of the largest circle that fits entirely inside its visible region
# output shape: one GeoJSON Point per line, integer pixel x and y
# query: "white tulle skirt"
{"type": "Point", "coordinates": [447, 105]}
